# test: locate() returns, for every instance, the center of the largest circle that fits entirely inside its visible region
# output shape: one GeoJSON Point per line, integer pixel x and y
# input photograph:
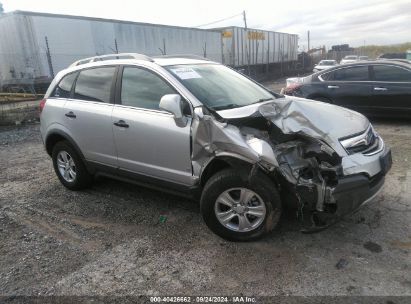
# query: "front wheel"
{"type": "Point", "coordinates": [238, 209]}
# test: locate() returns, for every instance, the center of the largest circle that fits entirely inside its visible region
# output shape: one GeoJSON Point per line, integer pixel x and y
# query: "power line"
{"type": "Point", "coordinates": [217, 21]}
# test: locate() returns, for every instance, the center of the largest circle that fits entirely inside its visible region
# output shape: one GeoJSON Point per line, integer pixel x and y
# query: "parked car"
{"type": "Point", "coordinates": [324, 64]}
{"type": "Point", "coordinates": [393, 56]}
{"type": "Point", "coordinates": [349, 59]}
{"type": "Point", "coordinates": [361, 58]}
{"type": "Point", "coordinates": [200, 129]}
{"type": "Point", "coordinates": [399, 60]}
{"type": "Point", "coordinates": [380, 88]}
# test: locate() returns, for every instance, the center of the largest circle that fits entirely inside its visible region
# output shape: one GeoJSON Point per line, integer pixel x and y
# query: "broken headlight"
{"type": "Point", "coordinates": [264, 151]}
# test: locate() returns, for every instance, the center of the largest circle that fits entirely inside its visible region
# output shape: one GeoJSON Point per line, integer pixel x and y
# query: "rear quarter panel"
{"type": "Point", "coordinates": [52, 116]}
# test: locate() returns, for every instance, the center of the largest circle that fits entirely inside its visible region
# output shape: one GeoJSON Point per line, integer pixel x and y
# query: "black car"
{"type": "Point", "coordinates": [380, 88]}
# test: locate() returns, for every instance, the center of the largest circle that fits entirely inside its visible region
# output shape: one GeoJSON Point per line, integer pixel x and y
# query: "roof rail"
{"type": "Point", "coordinates": [112, 57]}
{"type": "Point", "coordinates": [186, 56]}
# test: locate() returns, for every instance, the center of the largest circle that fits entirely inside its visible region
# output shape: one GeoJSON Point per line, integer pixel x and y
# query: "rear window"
{"type": "Point", "coordinates": [95, 84]}
{"type": "Point", "coordinates": [391, 73]}
{"type": "Point", "coordinates": [62, 90]}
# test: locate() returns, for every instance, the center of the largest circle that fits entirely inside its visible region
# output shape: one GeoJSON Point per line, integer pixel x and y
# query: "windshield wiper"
{"type": "Point", "coordinates": [262, 99]}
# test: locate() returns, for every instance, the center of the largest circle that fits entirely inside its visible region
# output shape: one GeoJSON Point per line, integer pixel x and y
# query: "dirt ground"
{"type": "Point", "coordinates": [109, 240]}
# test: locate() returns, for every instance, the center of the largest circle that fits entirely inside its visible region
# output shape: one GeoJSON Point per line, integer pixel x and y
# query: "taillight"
{"type": "Point", "coordinates": [292, 87]}
{"type": "Point", "coordinates": [42, 104]}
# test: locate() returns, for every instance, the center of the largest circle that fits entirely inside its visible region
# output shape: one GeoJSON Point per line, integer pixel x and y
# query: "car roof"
{"type": "Point", "coordinates": [144, 61]}
{"type": "Point", "coordinates": [164, 61]}
{"type": "Point", "coordinates": [137, 58]}
{"type": "Point", "coordinates": [368, 62]}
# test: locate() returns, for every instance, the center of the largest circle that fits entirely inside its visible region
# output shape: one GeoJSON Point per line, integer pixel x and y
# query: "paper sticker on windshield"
{"type": "Point", "coordinates": [186, 73]}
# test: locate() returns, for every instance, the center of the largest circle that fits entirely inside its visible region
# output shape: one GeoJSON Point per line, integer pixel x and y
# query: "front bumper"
{"type": "Point", "coordinates": [352, 192]}
{"type": "Point", "coordinates": [355, 190]}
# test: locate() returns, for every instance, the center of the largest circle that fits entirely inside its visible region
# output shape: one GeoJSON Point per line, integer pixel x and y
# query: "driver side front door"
{"type": "Point", "coordinates": [147, 139]}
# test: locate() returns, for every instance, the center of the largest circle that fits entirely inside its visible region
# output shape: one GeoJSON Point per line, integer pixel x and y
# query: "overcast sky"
{"type": "Point", "coordinates": [330, 22]}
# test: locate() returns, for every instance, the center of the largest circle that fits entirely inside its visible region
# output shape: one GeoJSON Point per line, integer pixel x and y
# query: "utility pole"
{"type": "Point", "coordinates": [49, 58]}
{"type": "Point", "coordinates": [115, 44]}
{"type": "Point", "coordinates": [308, 38]}
{"type": "Point", "coordinates": [205, 50]}
{"type": "Point", "coordinates": [247, 49]}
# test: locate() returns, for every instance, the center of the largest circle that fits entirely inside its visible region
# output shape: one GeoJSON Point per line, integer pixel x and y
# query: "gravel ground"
{"type": "Point", "coordinates": [109, 240]}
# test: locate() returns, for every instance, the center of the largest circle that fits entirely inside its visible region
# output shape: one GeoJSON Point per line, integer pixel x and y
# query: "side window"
{"type": "Point", "coordinates": [95, 84]}
{"type": "Point", "coordinates": [62, 90]}
{"type": "Point", "coordinates": [143, 89]}
{"type": "Point", "coordinates": [391, 73]}
{"type": "Point", "coordinates": [358, 73]}
{"type": "Point", "coordinates": [327, 76]}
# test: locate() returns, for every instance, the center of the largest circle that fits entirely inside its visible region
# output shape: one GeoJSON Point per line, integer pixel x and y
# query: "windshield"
{"type": "Point", "coordinates": [219, 87]}
{"type": "Point", "coordinates": [327, 62]}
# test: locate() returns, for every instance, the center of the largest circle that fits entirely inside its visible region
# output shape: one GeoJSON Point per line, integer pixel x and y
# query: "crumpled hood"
{"type": "Point", "coordinates": [313, 118]}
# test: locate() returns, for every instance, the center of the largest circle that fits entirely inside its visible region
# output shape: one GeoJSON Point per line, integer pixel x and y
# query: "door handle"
{"type": "Point", "coordinates": [380, 89]}
{"type": "Point", "coordinates": [121, 123]}
{"type": "Point", "coordinates": [333, 87]}
{"type": "Point", "coordinates": [70, 114]}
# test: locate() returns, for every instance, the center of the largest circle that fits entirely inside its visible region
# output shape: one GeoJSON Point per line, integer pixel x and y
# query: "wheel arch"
{"type": "Point", "coordinates": [219, 163]}
{"type": "Point", "coordinates": [57, 135]}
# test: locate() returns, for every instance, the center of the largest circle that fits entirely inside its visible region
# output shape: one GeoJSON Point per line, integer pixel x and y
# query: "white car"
{"type": "Point", "coordinates": [324, 64]}
{"type": "Point", "coordinates": [349, 59]}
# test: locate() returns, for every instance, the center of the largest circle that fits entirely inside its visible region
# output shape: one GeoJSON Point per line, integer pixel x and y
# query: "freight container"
{"type": "Point", "coordinates": [249, 47]}
{"type": "Point", "coordinates": [35, 46]}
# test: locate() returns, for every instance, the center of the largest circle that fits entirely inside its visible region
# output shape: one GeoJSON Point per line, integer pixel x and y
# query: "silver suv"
{"type": "Point", "coordinates": [200, 129]}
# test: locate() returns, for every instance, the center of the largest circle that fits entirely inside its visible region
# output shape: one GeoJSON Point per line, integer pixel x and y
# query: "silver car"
{"type": "Point", "coordinates": [200, 129]}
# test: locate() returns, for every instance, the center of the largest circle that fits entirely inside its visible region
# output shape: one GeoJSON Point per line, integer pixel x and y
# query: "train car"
{"type": "Point", "coordinates": [35, 46]}
{"type": "Point", "coordinates": [250, 47]}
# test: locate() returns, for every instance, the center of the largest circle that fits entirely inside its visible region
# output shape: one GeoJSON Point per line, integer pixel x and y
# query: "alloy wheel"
{"type": "Point", "coordinates": [66, 166]}
{"type": "Point", "coordinates": [240, 209]}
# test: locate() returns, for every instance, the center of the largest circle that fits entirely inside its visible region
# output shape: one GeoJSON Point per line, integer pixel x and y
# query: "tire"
{"type": "Point", "coordinates": [260, 191]}
{"type": "Point", "coordinates": [77, 176]}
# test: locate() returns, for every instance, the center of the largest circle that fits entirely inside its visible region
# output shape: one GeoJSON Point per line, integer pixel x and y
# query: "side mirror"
{"type": "Point", "coordinates": [172, 104]}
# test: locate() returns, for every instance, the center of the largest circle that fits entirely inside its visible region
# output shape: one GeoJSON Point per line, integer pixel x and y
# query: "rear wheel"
{"type": "Point", "coordinates": [69, 167]}
{"type": "Point", "coordinates": [239, 210]}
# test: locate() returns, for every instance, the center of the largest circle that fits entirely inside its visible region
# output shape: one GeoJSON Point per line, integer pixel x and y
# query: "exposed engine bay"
{"type": "Point", "coordinates": [287, 140]}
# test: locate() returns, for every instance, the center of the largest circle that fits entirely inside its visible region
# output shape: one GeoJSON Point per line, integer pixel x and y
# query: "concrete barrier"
{"type": "Point", "coordinates": [17, 113]}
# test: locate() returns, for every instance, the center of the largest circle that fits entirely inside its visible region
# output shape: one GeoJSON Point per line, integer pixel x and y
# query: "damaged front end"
{"type": "Point", "coordinates": [297, 149]}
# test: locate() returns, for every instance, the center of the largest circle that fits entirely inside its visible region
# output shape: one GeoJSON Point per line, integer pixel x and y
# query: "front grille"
{"type": "Point", "coordinates": [365, 147]}
{"type": "Point", "coordinates": [366, 143]}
